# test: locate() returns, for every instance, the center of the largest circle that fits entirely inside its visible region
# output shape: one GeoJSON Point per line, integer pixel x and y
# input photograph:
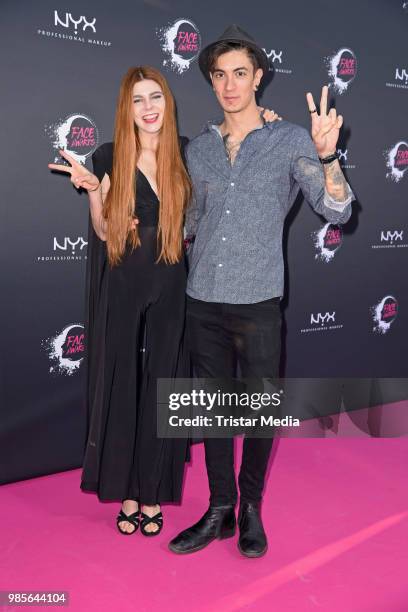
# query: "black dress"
{"type": "Point", "coordinates": [136, 319]}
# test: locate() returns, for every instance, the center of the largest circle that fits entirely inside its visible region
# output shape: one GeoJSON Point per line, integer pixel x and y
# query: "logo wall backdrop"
{"type": "Point", "coordinates": [345, 284]}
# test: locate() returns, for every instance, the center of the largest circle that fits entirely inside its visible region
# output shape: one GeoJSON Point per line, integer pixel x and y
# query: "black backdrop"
{"type": "Point", "coordinates": [61, 66]}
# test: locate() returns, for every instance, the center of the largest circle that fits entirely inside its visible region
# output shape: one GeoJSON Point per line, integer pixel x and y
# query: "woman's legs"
{"type": "Point", "coordinates": [164, 332]}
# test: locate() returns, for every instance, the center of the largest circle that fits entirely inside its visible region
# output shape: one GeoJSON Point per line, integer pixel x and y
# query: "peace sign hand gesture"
{"type": "Point", "coordinates": [80, 176]}
{"type": "Point", "coordinates": [326, 126]}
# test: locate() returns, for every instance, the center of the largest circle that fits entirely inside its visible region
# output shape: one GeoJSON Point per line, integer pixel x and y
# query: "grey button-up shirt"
{"type": "Point", "coordinates": [237, 213]}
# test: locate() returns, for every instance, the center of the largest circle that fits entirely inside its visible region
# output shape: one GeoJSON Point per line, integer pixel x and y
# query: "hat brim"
{"type": "Point", "coordinates": [203, 58]}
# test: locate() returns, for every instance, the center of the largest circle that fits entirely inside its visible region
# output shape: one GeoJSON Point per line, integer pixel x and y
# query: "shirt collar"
{"type": "Point", "coordinates": [214, 125]}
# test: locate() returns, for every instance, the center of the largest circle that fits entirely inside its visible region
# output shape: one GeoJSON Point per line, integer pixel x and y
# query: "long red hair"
{"type": "Point", "coordinates": [174, 186]}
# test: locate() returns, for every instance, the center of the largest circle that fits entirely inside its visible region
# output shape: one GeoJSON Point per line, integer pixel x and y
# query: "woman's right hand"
{"type": "Point", "coordinates": [80, 175]}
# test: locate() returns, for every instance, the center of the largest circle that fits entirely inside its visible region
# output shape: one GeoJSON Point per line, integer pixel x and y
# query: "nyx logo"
{"type": "Point", "coordinates": [322, 318]}
{"type": "Point", "coordinates": [388, 235]}
{"type": "Point", "coordinates": [401, 75]}
{"type": "Point", "coordinates": [342, 154]}
{"type": "Point", "coordinates": [273, 55]}
{"type": "Point", "coordinates": [68, 242]}
{"type": "Point", "coordinates": [70, 20]}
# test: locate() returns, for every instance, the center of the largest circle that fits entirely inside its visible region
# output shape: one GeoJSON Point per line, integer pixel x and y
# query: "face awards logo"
{"type": "Point", "coordinates": [384, 313]}
{"type": "Point", "coordinates": [275, 61]}
{"type": "Point", "coordinates": [327, 241]}
{"type": "Point", "coordinates": [397, 161]}
{"type": "Point", "coordinates": [400, 79]}
{"type": "Point", "coordinates": [77, 134]}
{"type": "Point", "coordinates": [322, 321]}
{"type": "Point", "coordinates": [391, 239]}
{"type": "Point", "coordinates": [66, 249]}
{"type": "Point", "coordinates": [66, 349]}
{"type": "Point", "coordinates": [77, 29]}
{"type": "Point", "coordinates": [342, 69]}
{"type": "Point", "coordinates": [181, 43]}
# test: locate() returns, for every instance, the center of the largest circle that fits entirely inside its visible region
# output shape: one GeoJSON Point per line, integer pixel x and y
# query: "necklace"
{"type": "Point", "coordinates": [231, 147]}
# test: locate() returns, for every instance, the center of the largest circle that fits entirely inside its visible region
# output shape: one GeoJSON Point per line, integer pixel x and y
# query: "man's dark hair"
{"type": "Point", "coordinates": [224, 47]}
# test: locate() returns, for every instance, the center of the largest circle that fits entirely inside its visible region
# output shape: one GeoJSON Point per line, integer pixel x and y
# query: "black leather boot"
{"type": "Point", "coordinates": [217, 523]}
{"type": "Point", "coordinates": [252, 537]}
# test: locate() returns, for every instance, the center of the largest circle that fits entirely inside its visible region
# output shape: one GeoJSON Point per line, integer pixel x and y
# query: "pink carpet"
{"type": "Point", "coordinates": [335, 511]}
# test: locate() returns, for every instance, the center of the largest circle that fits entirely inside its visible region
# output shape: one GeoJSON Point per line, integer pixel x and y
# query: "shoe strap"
{"type": "Point", "coordinates": [157, 518]}
{"type": "Point", "coordinates": [131, 518]}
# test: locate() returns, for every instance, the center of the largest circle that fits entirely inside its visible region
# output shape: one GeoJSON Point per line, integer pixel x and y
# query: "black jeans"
{"type": "Point", "coordinates": [222, 335]}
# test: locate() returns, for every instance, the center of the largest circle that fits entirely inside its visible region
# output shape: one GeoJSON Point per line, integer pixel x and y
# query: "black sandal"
{"type": "Point", "coordinates": [157, 519]}
{"type": "Point", "coordinates": [131, 518]}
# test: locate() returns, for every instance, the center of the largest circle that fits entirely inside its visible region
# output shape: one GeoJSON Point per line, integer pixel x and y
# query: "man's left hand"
{"type": "Point", "coordinates": [325, 126]}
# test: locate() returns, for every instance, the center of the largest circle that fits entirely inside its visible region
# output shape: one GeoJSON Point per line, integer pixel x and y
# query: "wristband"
{"type": "Point", "coordinates": [329, 159]}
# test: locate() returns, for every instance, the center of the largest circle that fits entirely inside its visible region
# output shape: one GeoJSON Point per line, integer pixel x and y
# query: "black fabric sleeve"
{"type": "Point", "coordinates": [183, 140]}
{"type": "Point", "coordinates": [102, 160]}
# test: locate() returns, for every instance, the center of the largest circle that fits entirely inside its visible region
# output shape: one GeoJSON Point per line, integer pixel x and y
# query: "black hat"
{"type": "Point", "coordinates": [233, 34]}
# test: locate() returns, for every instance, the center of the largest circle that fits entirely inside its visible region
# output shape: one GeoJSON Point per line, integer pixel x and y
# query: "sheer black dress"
{"type": "Point", "coordinates": [135, 334]}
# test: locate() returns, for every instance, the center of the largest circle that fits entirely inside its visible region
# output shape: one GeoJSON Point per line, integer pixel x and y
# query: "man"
{"type": "Point", "coordinates": [246, 174]}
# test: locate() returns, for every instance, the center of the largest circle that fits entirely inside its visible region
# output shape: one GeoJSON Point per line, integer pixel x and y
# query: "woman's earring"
{"type": "Point", "coordinates": [256, 87]}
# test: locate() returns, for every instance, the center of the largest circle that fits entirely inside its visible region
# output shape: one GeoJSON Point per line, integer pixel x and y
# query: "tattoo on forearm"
{"type": "Point", "coordinates": [336, 184]}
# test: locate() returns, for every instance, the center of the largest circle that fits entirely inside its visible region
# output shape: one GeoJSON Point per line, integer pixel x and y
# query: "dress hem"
{"type": "Point", "coordinates": [93, 488]}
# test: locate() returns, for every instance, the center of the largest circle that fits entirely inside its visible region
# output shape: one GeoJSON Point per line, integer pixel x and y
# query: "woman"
{"type": "Point", "coordinates": [136, 279]}
{"type": "Point", "coordinates": [136, 301]}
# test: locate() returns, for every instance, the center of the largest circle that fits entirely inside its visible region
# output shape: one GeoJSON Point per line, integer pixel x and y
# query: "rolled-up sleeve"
{"type": "Point", "coordinates": [308, 173]}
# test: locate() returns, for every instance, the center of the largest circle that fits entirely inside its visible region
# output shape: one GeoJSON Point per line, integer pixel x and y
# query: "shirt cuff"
{"type": "Point", "coordinates": [335, 204]}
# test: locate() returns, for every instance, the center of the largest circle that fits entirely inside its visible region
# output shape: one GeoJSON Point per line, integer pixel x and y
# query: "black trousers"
{"type": "Point", "coordinates": [222, 336]}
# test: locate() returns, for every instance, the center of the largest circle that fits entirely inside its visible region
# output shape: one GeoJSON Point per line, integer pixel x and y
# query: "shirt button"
{"type": "Point", "coordinates": [220, 265]}
{"type": "Point", "coordinates": [228, 211]}
{"type": "Point", "coordinates": [232, 184]}
{"type": "Point", "coordinates": [223, 238]}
